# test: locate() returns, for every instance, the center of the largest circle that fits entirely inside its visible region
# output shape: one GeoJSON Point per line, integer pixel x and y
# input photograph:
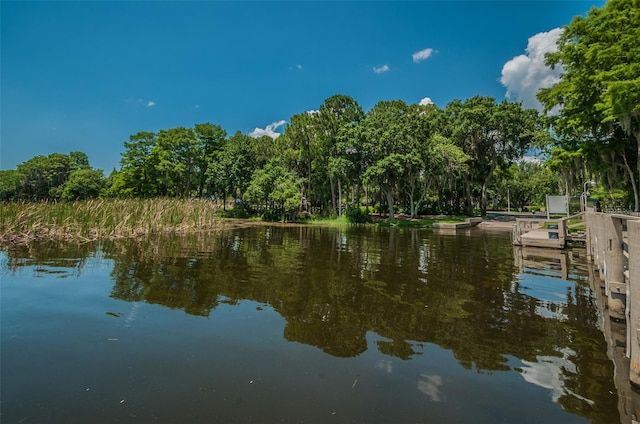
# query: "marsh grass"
{"type": "Point", "coordinates": [105, 219]}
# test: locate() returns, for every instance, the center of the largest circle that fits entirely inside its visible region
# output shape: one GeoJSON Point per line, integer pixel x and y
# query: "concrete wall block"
{"type": "Point", "coordinates": [633, 233]}
{"type": "Point", "coordinates": [614, 254]}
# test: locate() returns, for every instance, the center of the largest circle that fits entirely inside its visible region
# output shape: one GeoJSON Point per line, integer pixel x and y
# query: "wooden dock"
{"type": "Point", "coordinates": [549, 233]}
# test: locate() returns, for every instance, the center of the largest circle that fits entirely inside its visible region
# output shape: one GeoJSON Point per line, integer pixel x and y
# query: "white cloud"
{"type": "Point", "coordinates": [269, 130]}
{"type": "Point", "coordinates": [147, 103]}
{"type": "Point", "coordinates": [313, 112]}
{"type": "Point", "coordinates": [530, 159]}
{"type": "Point", "coordinates": [546, 372]}
{"type": "Point", "coordinates": [430, 386]}
{"type": "Point", "coordinates": [299, 66]}
{"type": "Point", "coordinates": [426, 101]}
{"type": "Point", "coordinates": [385, 365]}
{"type": "Point", "coordinates": [524, 75]}
{"type": "Point", "coordinates": [381, 69]}
{"type": "Point", "coordinates": [422, 55]}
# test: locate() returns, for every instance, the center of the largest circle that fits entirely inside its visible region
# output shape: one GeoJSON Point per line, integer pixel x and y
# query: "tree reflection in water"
{"type": "Point", "coordinates": [411, 287]}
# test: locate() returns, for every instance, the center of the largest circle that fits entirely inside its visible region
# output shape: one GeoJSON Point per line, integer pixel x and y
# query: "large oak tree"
{"type": "Point", "coordinates": [599, 89]}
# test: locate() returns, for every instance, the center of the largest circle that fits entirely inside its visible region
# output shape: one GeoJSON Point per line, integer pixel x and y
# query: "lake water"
{"type": "Point", "coordinates": [300, 325]}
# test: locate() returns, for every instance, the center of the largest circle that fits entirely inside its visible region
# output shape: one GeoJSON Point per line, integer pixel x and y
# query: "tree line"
{"type": "Point", "coordinates": [53, 177]}
{"type": "Point", "coordinates": [398, 157]}
{"type": "Point", "coordinates": [411, 158]}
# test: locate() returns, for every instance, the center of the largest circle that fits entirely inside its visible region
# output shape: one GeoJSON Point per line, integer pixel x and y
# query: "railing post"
{"type": "Point", "coordinates": [600, 236]}
{"type": "Point", "coordinates": [614, 268]}
{"type": "Point", "coordinates": [517, 234]}
{"type": "Point", "coordinates": [633, 232]}
{"type": "Point", "coordinates": [588, 224]}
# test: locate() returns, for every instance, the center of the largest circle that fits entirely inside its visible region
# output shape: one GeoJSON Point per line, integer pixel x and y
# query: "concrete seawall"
{"type": "Point", "coordinates": [613, 245]}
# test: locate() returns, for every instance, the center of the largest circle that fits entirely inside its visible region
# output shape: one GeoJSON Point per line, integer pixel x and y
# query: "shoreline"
{"type": "Point", "coordinates": [8, 240]}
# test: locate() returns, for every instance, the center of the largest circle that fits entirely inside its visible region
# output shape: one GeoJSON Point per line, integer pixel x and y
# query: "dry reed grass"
{"type": "Point", "coordinates": [105, 219]}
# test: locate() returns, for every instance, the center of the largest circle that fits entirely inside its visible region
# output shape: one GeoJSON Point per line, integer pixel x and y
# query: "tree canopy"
{"type": "Point", "coordinates": [598, 95]}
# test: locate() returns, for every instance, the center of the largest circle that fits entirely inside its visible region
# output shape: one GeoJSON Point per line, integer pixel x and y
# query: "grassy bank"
{"type": "Point", "coordinates": [105, 218]}
{"type": "Point", "coordinates": [421, 222]}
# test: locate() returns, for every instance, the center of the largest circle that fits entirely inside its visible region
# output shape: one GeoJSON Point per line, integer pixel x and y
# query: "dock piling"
{"type": "Point", "coordinates": [615, 286]}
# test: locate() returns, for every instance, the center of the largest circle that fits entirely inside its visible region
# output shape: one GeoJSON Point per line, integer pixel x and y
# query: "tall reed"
{"type": "Point", "coordinates": [105, 218]}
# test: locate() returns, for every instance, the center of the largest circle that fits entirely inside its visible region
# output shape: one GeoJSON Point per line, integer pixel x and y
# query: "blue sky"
{"type": "Point", "coordinates": [84, 76]}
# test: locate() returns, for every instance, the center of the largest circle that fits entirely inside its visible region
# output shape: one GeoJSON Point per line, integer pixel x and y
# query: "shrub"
{"type": "Point", "coordinates": [356, 215]}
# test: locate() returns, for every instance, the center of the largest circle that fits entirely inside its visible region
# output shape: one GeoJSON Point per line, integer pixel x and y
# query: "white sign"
{"type": "Point", "coordinates": [557, 205]}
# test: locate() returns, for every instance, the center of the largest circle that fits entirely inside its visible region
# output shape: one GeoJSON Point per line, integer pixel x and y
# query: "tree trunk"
{"type": "Point", "coordinates": [411, 206]}
{"type": "Point", "coordinates": [467, 191]}
{"type": "Point", "coordinates": [389, 195]}
{"type": "Point", "coordinates": [309, 182]}
{"type": "Point", "coordinates": [634, 184]}
{"type": "Point", "coordinates": [485, 186]}
{"type": "Point", "coordinates": [423, 194]}
{"type": "Point", "coordinates": [356, 196]}
{"type": "Point", "coordinates": [201, 180]}
{"type": "Point", "coordinates": [366, 197]}
{"type": "Point", "coordinates": [333, 195]}
{"type": "Point", "coordinates": [339, 198]}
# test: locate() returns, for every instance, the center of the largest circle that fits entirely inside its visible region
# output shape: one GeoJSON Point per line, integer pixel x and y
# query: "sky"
{"type": "Point", "coordinates": [84, 76]}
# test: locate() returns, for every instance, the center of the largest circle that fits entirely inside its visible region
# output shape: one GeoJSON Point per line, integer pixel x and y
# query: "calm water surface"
{"type": "Point", "coordinates": [300, 325]}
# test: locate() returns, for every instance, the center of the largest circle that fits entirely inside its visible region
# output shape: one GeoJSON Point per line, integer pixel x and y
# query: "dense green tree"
{"type": "Point", "coordinates": [387, 149]}
{"type": "Point", "coordinates": [428, 154]}
{"type": "Point", "coordinates": [115, 185]}
{"type": "Point", "coordinates": [211, 139]}
{"type": "Point", "coordinates": [335, 115]}
{"type": "Point", "coordinates": [568, 165]}
{"type": "Point", "coordinates": [79, 160]}
{"type": "Point", "coordinates": [178, 153]}
{"type": "Point", "coordinates": [523, 184]}
{"type": "Point", "coordinates": [300, 146]}
{"type": "Point", "coordinates": [138, 170]}
{"type": "Point", "coordinates": [599, 89]}
{"type": "Point", "coordinates": [83, 184]}
{"type": "Point", "coordinates": [44, 176]}
{"type": "Point", "coordinates": [448, 164]}
{"type": "Point", "coordinates": [274, 192]}
{"type": "Point", "coordinates": [10, 180]}
{"type": "Point", "coordinates": [263, 149]}
{"type": "Point", "coordinates": [491, 134]}
{"type": "Point", "coordinates": [234, 165]}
